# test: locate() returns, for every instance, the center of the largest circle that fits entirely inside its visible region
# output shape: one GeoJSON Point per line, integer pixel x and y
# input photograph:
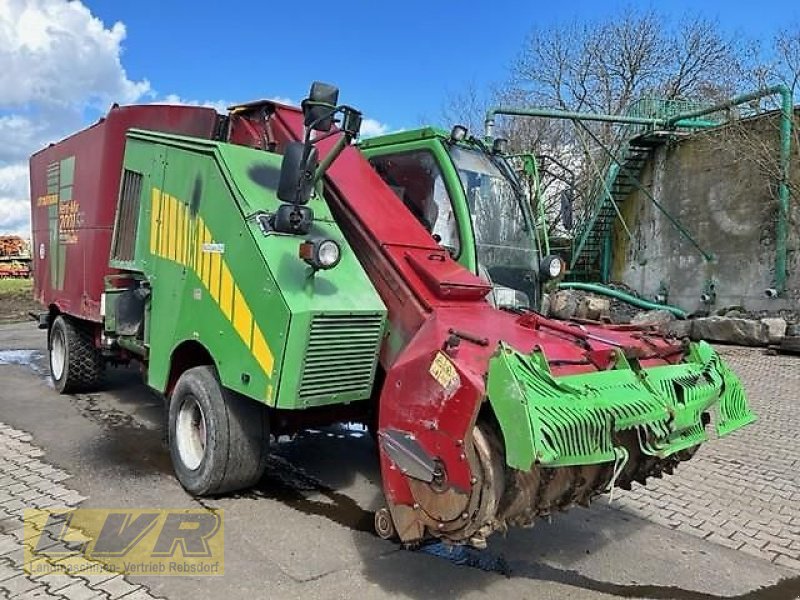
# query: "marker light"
{"type": "Point", "coordinates": [458, 133]}
{"type": "Point", "coordinates": [499, 146]}
{"type": "Point", "coordinates": [320, 253]}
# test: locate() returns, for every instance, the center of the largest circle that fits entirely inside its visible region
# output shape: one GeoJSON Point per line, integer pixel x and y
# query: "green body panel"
{"type": "Point", "coordinates": [276, 331]}
{"type": "Point", "coordinates": [432, 140]}
{"type": "Point", "coordinates": [574, 420]}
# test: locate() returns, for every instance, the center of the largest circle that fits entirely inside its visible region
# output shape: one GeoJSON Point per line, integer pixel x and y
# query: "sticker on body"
{"type": "Point", "coordinates": [444, 372]}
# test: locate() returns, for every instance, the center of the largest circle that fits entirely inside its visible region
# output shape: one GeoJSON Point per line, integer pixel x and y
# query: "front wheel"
{"type": "Point", "coordinates": [219, 440]}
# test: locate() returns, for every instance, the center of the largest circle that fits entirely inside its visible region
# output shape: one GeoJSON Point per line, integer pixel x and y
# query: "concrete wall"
{"type": "Point", "coordinates": [728, 203]}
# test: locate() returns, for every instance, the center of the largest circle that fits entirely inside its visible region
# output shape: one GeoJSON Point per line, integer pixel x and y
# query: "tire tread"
{"type": "Point", "coordinates": [84, 369]}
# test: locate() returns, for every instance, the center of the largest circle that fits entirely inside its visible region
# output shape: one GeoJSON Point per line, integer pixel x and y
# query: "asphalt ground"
{"type": "Point", "coordinates": [305, 529]}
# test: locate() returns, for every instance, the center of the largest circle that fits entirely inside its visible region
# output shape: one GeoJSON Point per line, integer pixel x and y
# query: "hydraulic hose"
{"type": "Point", "coordinates": [633, 300]}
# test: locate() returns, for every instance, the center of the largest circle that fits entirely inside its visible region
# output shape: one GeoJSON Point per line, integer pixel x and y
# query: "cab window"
{"type": "Point", "coordinates": [417, 180]}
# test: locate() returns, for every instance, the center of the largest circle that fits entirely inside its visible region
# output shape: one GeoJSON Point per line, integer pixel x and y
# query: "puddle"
{"type": "Point", "coordinates": [140, 452]}
{"type": "Point", "coordinates": [93, 408]}
{"type": "Point", "coordinates": [22, 358]}
{"type": "Point", "coordinates": [126, 442]}
{"type": "Point", "coordinates": [293, 487]}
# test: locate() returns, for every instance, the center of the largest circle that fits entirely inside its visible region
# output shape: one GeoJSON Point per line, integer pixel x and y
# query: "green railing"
{"type": "Point", "coordinates": [647, 111]}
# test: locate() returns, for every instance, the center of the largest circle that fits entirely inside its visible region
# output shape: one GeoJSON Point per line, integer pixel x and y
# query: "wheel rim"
{"type": "Point", "coordinates": [58, 355]}
{"type": "Point", "coordinates": [191, 433]}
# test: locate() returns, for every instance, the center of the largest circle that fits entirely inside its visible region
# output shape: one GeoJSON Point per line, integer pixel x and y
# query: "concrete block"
{"type": "Point", "coordinates": [563, 304]}
{"type": "Point", "coordinates": [680, 329]}
{"type": "Point", "coordinates": [776, 328]}
{"type": "Point", "coordinates": [658, 318]}
{"type": "Point", "coordinates": [598, 308]}
{"type": "Point", "coordinates": [743, 332]}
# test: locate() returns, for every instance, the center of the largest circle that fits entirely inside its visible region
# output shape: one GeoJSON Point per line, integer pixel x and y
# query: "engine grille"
{"type": "Point", "coordinates": [341, 356]}
{"type": "Point", "coordinates": [127, 216]}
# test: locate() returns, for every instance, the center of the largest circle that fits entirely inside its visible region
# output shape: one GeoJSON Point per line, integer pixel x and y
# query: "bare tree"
{"type": "Point", "coordinates": [467, 106]}
{"type": "Point", "coordinates": [604, 66]}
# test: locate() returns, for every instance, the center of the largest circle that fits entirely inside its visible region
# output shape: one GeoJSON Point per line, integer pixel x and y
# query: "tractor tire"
{"type": "Point", "coordinates": [76, 365]}
{"type": "Point", "coordinates": [218, 439]}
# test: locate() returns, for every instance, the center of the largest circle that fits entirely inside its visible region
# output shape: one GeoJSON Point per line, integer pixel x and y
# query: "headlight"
{"type": "Point", "coordinates": [458, 133]}
{"type": "Point", "coordinates": [321, 254]}
{"type": "Point", "coordinates": [552, 266]}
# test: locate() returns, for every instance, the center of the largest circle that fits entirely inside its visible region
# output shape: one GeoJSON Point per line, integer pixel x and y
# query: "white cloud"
{"type": "Point", "coordinates": [56, 52]}
{"type": "Point", "coordinates": [373, 127]}
{"type": "Point", "coordinates": [284, 100]}
{"type": "Point", "coordinates": [58, 60]}
{"type": "Point", "coordinates": [14, 203]}
{"type": "Point", "coordinates": [221, 106]}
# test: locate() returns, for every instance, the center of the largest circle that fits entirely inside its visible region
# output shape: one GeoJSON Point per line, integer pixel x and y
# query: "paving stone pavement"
{"type": "Point", "coordinates": [742, 491]}
{"type": "Point", "coordinates": [28, 482]}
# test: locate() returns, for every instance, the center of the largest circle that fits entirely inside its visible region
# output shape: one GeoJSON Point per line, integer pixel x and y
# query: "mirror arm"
{"type": "Point", "coordinates": [341, 143]}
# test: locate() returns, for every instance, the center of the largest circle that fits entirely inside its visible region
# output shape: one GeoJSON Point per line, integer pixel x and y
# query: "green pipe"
{"type": "Point", "coordinates": [633, 300]}
{"type": "Point", "coordinates": [606, 257]}
{"type": "Point", "coordinates": [785, 154]}
{"type": "Point", "coordinates": [552, 113]}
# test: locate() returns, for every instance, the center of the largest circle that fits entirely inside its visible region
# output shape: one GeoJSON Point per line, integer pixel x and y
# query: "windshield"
{"type": "Point", "coordinates": [503, 236]}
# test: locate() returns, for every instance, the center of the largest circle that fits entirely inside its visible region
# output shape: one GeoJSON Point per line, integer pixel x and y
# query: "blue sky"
{"type": "Point", "coordinates": [395, 60]}
{"type": "Point", "coordinates": [64, 62]}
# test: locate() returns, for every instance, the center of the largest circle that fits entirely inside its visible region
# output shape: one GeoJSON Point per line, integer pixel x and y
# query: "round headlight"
{"type": "Point", "coordinates": [551, 267]}
{"type": "Point", "coordinates": [320, 254]}
{"type": "Point", "coordinates": [328, 254]}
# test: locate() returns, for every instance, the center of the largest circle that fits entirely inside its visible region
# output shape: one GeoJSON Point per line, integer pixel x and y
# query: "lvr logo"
{"type": "Point", "coordinates": [157, 541]}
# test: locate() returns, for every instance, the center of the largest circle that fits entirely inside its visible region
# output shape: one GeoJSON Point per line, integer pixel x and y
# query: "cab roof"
{"type": "Point", "coordinates": [412, 135]}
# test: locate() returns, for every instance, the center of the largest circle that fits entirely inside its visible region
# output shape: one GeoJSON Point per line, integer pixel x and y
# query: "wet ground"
{"type": "Point", "coordinates": [305, 529]}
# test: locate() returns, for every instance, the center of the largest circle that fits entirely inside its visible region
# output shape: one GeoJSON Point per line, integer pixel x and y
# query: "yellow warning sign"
{"type": "Point", "coordinates": [443, 371]}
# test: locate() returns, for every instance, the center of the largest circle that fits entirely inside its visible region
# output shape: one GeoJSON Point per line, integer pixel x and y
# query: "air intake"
{"type": "Point", "coordinates": [340, 359]}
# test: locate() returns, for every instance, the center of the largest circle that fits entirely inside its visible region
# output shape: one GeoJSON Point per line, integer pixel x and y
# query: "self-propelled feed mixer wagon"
{"type": "Point", "coordinates": [269, 279]}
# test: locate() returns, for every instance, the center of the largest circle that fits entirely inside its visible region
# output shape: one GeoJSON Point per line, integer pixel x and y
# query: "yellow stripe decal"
{"type": "Point", "coordinates": [178, 236]}
{"type": "Point", "coordinates": [242, 319]}
{"type": "Point", "coordinates": [155, 198]}
{"type": "Point", "coordinates": [162, 240]}
{"type": "Point", "coordinates": [170, 226]}
{"type": "Point", "coordinates": [206, 260]}
{"type": "Point", "coordinates": [215, 276]}
{"type": "Point", "coordinates": [186, 237]}
{"type": "Point", "coordinates": [226, 291]}
{"type": "Point", "coordinates": [181, 235]}
{"type": "Point", "coordinates": [198, 250]}
{"type": "Point", "coordinates": [261, 351]}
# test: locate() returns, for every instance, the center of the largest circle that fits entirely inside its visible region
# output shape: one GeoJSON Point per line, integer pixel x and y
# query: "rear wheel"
{"type": "Point", "coordinates": [75, 363]}
{"type": "Point", "coordinates": [219, 440]}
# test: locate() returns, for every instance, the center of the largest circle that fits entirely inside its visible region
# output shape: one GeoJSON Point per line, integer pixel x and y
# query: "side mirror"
{"type": "Point", "coordinates": [319, 106]}
{"type": "Point", "coordinates": [351, 122]}
{"type": "Point", "coordinates": [297, 173]}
